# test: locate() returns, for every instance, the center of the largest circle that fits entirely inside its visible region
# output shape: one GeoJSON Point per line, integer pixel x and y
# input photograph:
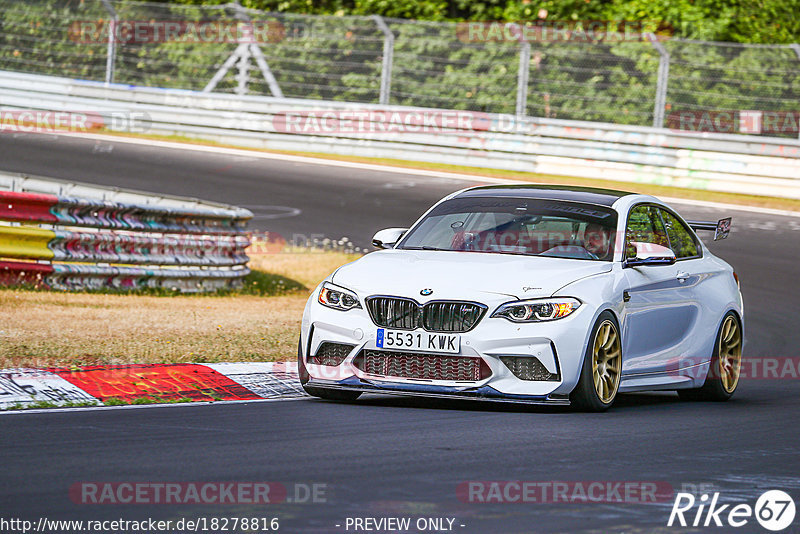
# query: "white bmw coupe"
{"type": "Point", "coordinates": [535, 294]}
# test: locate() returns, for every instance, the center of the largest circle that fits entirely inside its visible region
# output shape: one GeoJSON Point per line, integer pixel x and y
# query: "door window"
{"type": "Point", "coordinates": [644, 225]}
{"type": "Point", "coordinates": [681, 240]}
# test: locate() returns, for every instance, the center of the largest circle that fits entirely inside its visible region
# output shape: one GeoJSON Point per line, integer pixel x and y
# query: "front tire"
{"type": "Point", "coordinates": [602, 366]}
{"type": "Point", "coordinates": [726, 364]}
{"type": "Point", "coordinates": [315, 391]}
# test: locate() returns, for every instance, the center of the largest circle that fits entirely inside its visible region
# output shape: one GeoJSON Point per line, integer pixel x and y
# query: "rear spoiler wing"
{"type": "Point", "coordinates": [721, 228]}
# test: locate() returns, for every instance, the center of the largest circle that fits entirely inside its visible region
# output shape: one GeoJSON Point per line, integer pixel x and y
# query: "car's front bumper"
{"type": "Point", "coordinates": [558, 345]}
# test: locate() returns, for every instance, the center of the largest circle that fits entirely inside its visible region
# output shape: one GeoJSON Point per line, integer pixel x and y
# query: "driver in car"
{"type": "Point", "coordinates": [596, 240]}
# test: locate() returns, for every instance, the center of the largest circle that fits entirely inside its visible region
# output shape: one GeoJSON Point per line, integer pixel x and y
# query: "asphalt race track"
{"type": "Point", "coordinates": [390, 457]}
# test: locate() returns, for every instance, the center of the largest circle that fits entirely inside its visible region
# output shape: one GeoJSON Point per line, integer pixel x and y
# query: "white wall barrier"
{"type": "Point", "coordinates": [733, 163]}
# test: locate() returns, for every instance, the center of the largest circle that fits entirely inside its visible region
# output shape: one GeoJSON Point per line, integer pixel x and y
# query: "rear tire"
{"type": "Point", "coordinates": [315, 391]}
{"type": "Point", "coordinates": [602, 366]}
{"type": "Point", "coordinates": [726, 364]}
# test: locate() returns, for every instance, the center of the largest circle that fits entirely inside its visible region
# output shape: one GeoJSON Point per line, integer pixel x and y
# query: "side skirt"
{"type": "Point", "coordinates": [685, 378]}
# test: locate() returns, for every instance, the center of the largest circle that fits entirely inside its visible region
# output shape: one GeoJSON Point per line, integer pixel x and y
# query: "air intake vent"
{"type": "Point", "coordinates": [529, 368]}
{"type": "Point", "coordinates": [437, 316]}
{"type": "Point", "coordinates": [422, 366]}
{"type": "Point", "coordinates": [331, 353]}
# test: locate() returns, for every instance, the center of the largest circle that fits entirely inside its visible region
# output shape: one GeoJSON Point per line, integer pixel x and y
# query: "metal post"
{"type": "Point", "coordinates": [243, 53]}
{"type": "Point", "coordinates": [223, 70]}
{"type": "Point", "coordinates": [261, 61]}
{"type": "Point", "coordinates": [242, 76]}
{"type": "Point", "coordinates": [388, 57]}
{"type": "Point", "coordinates": [255, 50]}
{"type": "Point", "coordinates": [663, 81]}
{"type": "Point", "coordinates": [522, 79]}
{"type": "Point", "coordinates": [111, 52]}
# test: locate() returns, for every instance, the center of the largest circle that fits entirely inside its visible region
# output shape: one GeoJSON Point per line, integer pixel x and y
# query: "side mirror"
{"type": "Point", "coordinates": [388, 238]}
{"type": "Point", "coordinates": [650, 254]}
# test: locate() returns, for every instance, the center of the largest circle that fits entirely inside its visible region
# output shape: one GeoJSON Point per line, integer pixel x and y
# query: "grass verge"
{"type": "Point", "coordinates": [45, 328]}
{"type": "Point", "coordinates": [40, 405]}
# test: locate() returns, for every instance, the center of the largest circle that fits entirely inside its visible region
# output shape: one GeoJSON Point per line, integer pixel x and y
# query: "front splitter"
{"type": "Point", "coordinates": [481, 393]}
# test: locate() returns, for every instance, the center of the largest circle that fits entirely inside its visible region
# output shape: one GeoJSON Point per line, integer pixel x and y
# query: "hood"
{"type": "Point", "coordinates": [483, 277]}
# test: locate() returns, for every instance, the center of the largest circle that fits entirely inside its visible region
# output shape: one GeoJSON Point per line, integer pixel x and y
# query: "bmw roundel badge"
{"type": "Point", "coordinates": [425, 292]}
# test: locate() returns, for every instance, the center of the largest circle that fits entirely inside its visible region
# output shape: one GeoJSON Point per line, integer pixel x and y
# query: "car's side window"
{"type": "Point", "coordinates": [644, 225]}
{"type": "Point", "coordinates": [683, 243]}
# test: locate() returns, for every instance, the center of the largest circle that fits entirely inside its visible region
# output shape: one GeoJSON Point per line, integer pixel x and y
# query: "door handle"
{"type": "Point", "coordinates": [682, 276]}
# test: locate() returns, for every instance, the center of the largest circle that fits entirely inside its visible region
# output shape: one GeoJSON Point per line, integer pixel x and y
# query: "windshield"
{"type": "Point", "coordinates": [517, 226]}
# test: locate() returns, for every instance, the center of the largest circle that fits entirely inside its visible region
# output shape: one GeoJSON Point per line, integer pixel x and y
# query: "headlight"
{"type": "Point", "coordinates": [537, 310]}
{"type": "Point", "coordinates": [337, 297]}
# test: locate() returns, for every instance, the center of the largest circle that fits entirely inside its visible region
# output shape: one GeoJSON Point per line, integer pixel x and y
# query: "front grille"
{"type": "Point", "coordinates": [422, 366]}
{"type": "Point", "coordinates": [330, 353]}
{"type": "Point", "coordinates": [451, 316]}
{"type": "Point", "coordinates": [392, 312]}
{"type": "Point", "coordinates": [437, 316]}
{"type": "Point", "coordinates": [528, 368]}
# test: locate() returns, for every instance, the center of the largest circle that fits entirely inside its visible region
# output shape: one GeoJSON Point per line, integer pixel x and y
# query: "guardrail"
{"type": "Point", "coordinates": [76, 236]}
{"type": "Point", "coordinates": [607, 71]}
{"type": "Point", "coordinates": [722, 162]}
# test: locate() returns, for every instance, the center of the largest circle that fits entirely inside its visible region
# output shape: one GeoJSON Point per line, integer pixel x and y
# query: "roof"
{"type": "Point", "coordinates": [591, 195]}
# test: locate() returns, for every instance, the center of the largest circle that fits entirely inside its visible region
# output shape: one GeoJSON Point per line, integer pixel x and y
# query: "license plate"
{"type": "Point", "coordinates": [418, 340]}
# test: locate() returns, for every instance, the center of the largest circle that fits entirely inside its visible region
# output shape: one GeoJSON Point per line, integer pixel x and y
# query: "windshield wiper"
{"type": "Point", "coordinates": [427, 248]}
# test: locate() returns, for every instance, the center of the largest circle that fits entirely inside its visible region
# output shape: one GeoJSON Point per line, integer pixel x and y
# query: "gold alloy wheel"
{"type": "Point", "coordinates": [730, 354]}
{"type": "Point", "coordinates": [606, 361]}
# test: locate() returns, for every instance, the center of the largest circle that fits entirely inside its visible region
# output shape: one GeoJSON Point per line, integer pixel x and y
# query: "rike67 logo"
{"type": "Point", "coordinates": [774, 510]}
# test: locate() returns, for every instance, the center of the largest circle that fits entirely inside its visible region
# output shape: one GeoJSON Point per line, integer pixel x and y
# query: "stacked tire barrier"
{"type": "Point", "coordinates": [113, 239]}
